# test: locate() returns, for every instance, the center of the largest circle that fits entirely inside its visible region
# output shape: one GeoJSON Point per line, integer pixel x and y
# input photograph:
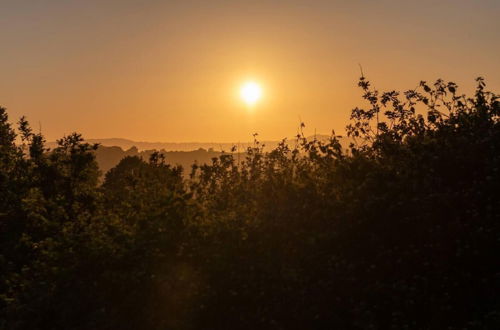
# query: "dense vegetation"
{"type": "Point", "coordinates": [109, 157]}
{"type": "Point", "coordinates": [399, 232]}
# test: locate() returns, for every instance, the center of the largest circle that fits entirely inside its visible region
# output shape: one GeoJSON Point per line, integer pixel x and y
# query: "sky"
{"type": "Point", "coordinates": [171, 70]}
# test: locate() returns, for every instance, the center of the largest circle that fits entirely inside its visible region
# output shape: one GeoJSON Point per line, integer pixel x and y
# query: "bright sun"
{"type": "Point", "coordinates": [251, 92]}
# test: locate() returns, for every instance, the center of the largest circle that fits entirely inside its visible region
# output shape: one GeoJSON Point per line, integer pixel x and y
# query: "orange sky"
{"type": "Point", "coordinates": [170, 70]}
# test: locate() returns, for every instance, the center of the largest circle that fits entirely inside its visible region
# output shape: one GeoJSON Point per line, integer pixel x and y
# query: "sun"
{"type": "Point", "coordinates": [251, 93]}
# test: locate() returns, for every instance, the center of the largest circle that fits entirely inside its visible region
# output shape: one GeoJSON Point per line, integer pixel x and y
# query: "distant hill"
{"type": "Point", "coordinates": [108, 157]}
{"type": "Point", "coordinates": [112, 150]}
{"type": "Point", "coordinates": [126, 144]}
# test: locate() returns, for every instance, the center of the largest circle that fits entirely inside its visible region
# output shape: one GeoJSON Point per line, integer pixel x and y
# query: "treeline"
{"type": "Point", "coordinates": [400, 232]}
{"type": "Point", "coordinates": [108, 157]}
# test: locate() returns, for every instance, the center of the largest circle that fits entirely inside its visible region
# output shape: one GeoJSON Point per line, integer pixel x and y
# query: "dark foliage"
{"type": "Point", "coordinates": [401, 231]}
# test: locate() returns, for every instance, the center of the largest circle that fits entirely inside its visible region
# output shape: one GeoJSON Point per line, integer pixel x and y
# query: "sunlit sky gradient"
{"type": "Point", "coordinates": [171, 70]}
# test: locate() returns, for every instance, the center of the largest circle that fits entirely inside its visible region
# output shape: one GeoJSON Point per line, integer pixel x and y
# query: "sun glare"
{"type": "Point", "coordinates": [251, 93]}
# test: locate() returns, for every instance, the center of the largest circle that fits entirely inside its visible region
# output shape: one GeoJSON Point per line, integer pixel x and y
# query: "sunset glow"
{"type": "Point", "coordinates": [172, 165]}
{"type": "Point", "coordinates": [186, 71]}
{"type": "Point", "coordinates": [251, 93]}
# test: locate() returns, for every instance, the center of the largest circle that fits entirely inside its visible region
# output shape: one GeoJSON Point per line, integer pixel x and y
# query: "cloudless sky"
{"type": "Point", "coordinates": [170, 70]}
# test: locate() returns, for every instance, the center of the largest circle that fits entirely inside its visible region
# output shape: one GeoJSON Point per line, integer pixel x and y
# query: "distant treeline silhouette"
{"type": "Point", "coordinates": [399, 232]}
{"type": "Point", "coordinates": [109, 157]}
{"type": "Point", "coordinates": [111, 151]}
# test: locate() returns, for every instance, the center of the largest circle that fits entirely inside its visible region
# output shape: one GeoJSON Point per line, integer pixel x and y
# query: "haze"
{"type": "Point", "coordinates": [171, 70]}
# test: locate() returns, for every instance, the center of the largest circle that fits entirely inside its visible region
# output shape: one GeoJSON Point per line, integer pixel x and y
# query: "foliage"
{"type": "Point", "coordinates": [399, 231]}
